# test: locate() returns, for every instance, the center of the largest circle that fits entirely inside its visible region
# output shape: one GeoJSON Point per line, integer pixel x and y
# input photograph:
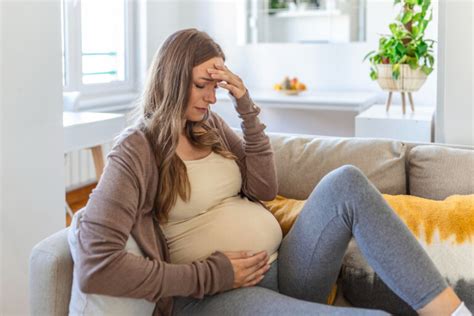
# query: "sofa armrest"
{"type": "Point", "coordinates": [50, 275]}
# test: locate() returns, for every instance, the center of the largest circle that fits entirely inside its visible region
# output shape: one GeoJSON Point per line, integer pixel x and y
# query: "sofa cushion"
{"type": "Point", "coordinates": [302, 161]}
{"type": "Point", "coordinates": [445, 229]}
{"type": "Point", "coordinates": [436, 172]}
{"type": "Point", "coordinates": [95, 304]}
{"type": "Point", "coordinates": [285, 211]}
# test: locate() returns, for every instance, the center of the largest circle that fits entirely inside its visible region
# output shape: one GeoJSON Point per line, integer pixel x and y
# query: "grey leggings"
{"type": "Point", "coordinates": [343, 204]}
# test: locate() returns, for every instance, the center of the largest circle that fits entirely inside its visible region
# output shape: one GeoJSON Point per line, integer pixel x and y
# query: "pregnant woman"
{"type": "Point", "coordinates": [186, 188]}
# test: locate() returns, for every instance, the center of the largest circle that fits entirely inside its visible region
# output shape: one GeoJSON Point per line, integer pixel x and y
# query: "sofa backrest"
{"type": "Point", "coordinates": [433, 171]}
{"type": "Point", "coordinates": [303, 160]}
{"type": "Point", "coordinates": [436, 171]}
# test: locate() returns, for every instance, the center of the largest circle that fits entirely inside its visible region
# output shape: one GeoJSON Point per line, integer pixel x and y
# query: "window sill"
{"type": "Point", "coordinates": [112, 103]}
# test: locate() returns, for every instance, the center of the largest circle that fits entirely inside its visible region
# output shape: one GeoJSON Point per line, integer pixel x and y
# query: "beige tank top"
{"type": "Point", "coordinates": [216, 218]}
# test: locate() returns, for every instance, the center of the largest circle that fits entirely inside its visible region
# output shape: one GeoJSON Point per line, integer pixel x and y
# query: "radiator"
{"type": "Point", "coordinates": [79, 167]}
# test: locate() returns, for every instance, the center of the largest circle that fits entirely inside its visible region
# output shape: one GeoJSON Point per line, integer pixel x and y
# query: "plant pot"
{"type": "Point", "coordinates": [409, 81]}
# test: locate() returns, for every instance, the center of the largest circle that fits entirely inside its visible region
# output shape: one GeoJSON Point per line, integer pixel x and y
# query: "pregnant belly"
{"type": "Point", "coordinates": [234, 225]}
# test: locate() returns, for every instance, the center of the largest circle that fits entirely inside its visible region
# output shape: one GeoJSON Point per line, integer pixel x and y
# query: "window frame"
{"type": "Point", "coordinates": [96, 95]}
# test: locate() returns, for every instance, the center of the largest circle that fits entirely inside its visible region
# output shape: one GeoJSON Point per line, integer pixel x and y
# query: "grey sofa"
{"type": "Point", "coordinates": [425, 170]}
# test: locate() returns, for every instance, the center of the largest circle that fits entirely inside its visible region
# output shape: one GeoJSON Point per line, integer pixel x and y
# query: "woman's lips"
{"type": "Point", "coordinates": [202, 110]}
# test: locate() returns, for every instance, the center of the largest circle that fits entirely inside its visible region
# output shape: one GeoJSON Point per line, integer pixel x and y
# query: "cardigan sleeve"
{"type": "Point", "coordinates": [254, 151]}
{"type": "Point", "coordinates": [104, 267]}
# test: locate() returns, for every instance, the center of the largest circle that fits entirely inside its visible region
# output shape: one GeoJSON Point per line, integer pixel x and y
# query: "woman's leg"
{"type": "Point", "coordinates": [262, 299]}
{"type": "Point", "coordinates": [346, 204]}
{"type": "Point", "coordinates": [259, 301]}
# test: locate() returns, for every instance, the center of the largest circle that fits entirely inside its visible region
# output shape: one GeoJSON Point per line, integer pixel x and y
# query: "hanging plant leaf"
{"type": "Point", "coordinates": [400, 49]}
{"type": "Point", "coordinates": [396, 71]}
{"type": "Point", "coordinates": [427, 70]}
{"type": "Point", "coordinates": [426, 4]}
{"type": "Point", "coordinates": [373, 74]}
{"type": "Point", "coordinates": [367, 56]}
{"type": "Point", "coordinates": [407, 17]}
{"type": "Point", "coordinates": [417, 17]}
{"type": "Point", "coordinates": [431, 60]}
{"type": "Point", "coordinates": [422, 48]}
{"type": "Point", "coordinates": [393, 28]}
{"type": "Point", "coordinates": [412, 62]}
{"type": "Point", "coordinates": [415, 31]}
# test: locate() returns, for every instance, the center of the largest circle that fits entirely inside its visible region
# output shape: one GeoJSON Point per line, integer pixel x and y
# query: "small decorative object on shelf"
{"type": "Point", "coordinates": [404, 58]}
{"type": "Point", "coordinates": [290, 86]}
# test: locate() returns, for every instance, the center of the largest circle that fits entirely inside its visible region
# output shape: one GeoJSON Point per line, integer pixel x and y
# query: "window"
{"type": "Point", "coordinates": [97, 51]}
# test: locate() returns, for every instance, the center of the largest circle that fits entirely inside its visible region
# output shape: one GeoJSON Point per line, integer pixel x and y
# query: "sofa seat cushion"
{"type": "Point", "coordinates": [302, 161]}
{"type": "Point", "coordinates": [436, 172]}
{"type": "Point", "coordinates": [445, 229]}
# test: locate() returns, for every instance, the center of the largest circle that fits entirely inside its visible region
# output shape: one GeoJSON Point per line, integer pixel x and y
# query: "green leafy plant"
{"type": "Point", "coordinates": [406, 43]}
{"type": "Point", "coordinates": [278, 4]}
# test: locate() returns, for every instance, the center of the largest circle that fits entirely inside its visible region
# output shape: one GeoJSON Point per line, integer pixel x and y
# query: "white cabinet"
{"type": "Point", "coordinates": [413, 126]}
{"type": "Point", "coordinates": [312, 26]}
{"type": "Point", "coordinates": [314, 113]}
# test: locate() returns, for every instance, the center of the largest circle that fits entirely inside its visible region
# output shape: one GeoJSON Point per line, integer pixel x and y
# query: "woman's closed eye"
{"type": "Point", "coordinates": [202, 87]}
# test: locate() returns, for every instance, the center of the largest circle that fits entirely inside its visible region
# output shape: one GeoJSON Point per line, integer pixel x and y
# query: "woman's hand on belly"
{"type": "Point", "coordinates": [248, 269]}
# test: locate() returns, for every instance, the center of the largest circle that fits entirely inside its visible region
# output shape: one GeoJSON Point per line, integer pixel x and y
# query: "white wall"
{"type": "Point", "coordinates": [455, 117]}
{"type": "Point", "coordinates": [320, 66]}
{"type": "Point", "coordinates": [163, 17]}
{"type": "Point", "coordinates": [32, 183]}
{"type": "Point", "coordinates": [1, 162]}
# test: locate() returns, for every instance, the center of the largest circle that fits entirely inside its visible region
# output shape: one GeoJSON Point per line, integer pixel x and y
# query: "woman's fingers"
{"type": "Point", "coordinates": [227, 80]}
{"type": "Point", "coordinates": [237, 254]}
{"type": "Point", "coordinates": [248, 268]}
{"type": "Point", "coordinates": [253, 282]}
{"type": "Point", "coordinates": [232, 89]}
{"type": "Point", "coordinates": [255, 260]}
{"type": "Point", "coordinates": [224, 76]}
{"type": "Point", "coordinates": [258, 273]}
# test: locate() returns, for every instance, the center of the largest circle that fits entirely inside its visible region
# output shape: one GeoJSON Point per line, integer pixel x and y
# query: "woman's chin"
{"type": "Point", "coordinates": [197, 117]}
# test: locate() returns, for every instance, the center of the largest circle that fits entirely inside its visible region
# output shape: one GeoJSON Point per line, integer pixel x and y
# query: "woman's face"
{"type": "Point", "coordinates": [203, 90]}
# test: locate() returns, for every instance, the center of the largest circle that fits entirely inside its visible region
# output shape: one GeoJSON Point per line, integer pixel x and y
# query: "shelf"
{"type": "Point", "coordinates": [311, 100]}
{"type": "Point", "coordinates": [306, 13]}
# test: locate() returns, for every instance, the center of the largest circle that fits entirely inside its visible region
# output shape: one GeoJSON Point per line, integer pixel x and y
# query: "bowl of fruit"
{"type": "Point", "coordinates": [290, 86]}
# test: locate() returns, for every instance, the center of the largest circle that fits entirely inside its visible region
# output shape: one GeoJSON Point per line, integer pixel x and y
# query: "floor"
{"type": "Point", "coordinates": [78, 198]}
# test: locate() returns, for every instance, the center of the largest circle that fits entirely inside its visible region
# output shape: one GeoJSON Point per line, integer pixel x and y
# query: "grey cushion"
{"type": "Point", "coordinates": [302, 161]}
{"type": "Point", "coordinates": [436, 172]}
{"type": "Point", "coordinates": [51, 276]}
{"type": "Point", "coordinates": [362, 287]}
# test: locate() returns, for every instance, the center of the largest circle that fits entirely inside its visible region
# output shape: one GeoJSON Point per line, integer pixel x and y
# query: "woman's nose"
{"type": "Point", "coordinates": [210, 97]}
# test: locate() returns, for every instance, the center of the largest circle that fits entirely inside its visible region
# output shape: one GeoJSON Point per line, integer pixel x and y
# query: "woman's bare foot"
{"type": "Point", "coordinates": [443, 304]}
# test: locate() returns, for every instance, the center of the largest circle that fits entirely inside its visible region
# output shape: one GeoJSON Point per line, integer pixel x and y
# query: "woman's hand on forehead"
{"type": "Point", "coordinates": [227, 80]}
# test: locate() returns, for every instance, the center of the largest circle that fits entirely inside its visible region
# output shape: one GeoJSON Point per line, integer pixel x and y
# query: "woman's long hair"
{"type": "Point", "coordinates": [161, 113]}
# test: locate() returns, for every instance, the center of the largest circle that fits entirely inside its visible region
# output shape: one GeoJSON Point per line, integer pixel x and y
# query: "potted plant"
{"type": "Point", "coordinates": [404, 58]}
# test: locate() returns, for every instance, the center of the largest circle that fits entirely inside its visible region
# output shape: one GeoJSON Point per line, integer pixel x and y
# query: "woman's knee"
{"type": "Point", "coordinates": [347, 175]}
{"type": "Point", "coordinates": [340, 184]}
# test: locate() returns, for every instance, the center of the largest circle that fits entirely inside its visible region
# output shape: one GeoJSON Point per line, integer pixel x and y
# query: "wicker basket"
{"type": "Point", "coordinates": [409, 81]}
